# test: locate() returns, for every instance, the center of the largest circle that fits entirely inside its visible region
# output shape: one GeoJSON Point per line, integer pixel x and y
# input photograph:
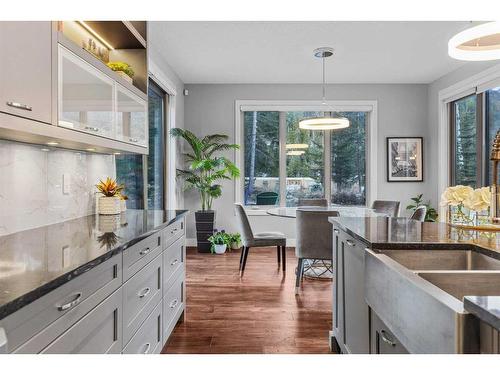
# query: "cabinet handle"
{"type": "Point", "coordinates": [386, 339]}
{"type": "Point", "coordinates": [145, 251]}
{"type": "Point", "coordinates": [350, 243]}
{"type": "Point", "coordinates": [135, 140]}
{"type": "Point", "coordinates": [175, 230]}
{"type": "Point", "coordinates": [336, 231]}
{"type": "Point", "coordinates": [173, 303]}
{"type": "Point", "coordinates": [71, 304]}
{"type": "Point", "coordinates": [92, 128]}
{"type": "Point", "coordinates": [146, 351]}
{"type": "Point", "coordinates": [144, 292]}
{"type": "Point", "coordinates": [174, 262]}
{"type": "Point", "coordinates": [19, 106]}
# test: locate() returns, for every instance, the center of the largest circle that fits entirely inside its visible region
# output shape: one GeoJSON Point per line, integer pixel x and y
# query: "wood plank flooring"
{"type": "Point", "coordinates": [258, 313]}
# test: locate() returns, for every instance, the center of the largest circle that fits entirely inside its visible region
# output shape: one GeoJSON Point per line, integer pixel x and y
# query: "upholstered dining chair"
{"type": "Point", "coordinates": [314, 238]}
{"type": "Point", "coordinates": [419, 213]}
{"type": "Point", "coordinates": [263, 239]}
{"type": "Point", "coordinates": [318, 202]}
{"type": "Point", "coordinates": [390, 208]}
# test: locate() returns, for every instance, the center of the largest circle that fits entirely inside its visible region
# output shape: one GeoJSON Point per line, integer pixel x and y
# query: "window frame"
{"type": "Point", "coordinates": [283, 106]}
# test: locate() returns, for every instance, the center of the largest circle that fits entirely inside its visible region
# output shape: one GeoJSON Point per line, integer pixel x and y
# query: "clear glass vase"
{"type": "Point", "coordinates": [482, 217]}
{"type": "Point", "coordinates": [459, 215]}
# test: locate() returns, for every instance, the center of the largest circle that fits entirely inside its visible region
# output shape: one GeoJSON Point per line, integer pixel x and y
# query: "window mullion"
{"type": "Point", "coordinates": [282, 158]}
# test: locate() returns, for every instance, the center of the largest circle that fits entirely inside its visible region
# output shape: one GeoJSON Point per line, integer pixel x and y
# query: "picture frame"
{"type": "Point", "coordinates": [405, 159]}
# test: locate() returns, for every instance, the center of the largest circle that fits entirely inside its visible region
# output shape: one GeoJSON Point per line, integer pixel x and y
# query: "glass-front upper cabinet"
{"type": "Point", "coordinates": [86, 96]}
{"type": "Point", "coordinates": [131, 124]}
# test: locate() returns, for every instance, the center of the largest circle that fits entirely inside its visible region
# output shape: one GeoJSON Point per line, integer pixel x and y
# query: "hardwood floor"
{"type": "Point", "coordinates": [258, 313]}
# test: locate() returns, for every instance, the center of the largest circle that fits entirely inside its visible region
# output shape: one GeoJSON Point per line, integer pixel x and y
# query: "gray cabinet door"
{"type": "Point", "coordinates": [382, 339]}
{"type": "Point", "coordinates": [26, 69]}
{"type": "Point", "coordinates": [147, 339]}
{"type": "Point", "coordinates": [98, 332]}
{"type": "Point", "coordinates": [356, 313]}
{"type": "Point", "coordinates": [338, 288]}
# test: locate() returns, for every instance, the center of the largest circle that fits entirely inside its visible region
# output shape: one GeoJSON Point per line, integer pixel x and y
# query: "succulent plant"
{"type": "Point", "coordinates": [109, 188]}
{"type": "Point", "coordinates": [119, 66]}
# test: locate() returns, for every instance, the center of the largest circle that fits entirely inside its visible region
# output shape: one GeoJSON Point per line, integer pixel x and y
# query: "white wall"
{"type": "Point", "coordinates": [402, 111]}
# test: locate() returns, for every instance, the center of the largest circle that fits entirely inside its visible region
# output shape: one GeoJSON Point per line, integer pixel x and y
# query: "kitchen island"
{"type": "Point", "coordinates": [96, 284]}
{"type": "Point", "coordinates": [400, 285]}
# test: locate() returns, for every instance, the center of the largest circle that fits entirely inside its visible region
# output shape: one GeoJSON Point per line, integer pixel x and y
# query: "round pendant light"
{"type": "Point", "coordinates": [479, 43]}
{"type": "Point", "coordinates": [327, 122]}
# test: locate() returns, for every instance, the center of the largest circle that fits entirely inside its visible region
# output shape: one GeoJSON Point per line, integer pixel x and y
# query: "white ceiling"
{"type": "Point", "coordinates": [281, 52]}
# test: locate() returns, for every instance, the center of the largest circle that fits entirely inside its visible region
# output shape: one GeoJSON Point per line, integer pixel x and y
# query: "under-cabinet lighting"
{"type": "Point", "coordinates": [45, 149]}
{"type": "Point", "coordinates": [95, 34]}
{"type": "Point", "coordinates": [117, 153]}
{"type": "Point", "coordinates": [52, 143]}
{"type": "Point", "coordinates": [90, 149]}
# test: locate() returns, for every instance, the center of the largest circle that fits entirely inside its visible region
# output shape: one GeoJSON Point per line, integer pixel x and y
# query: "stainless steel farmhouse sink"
{"type": "Point", "coordinates": [418, 294]}
{"type": "Point", "coordinates": [443, 259]}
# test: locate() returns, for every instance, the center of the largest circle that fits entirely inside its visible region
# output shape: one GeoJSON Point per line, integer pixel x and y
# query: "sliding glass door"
{"type": "Point", "coordinates": [144, 176]}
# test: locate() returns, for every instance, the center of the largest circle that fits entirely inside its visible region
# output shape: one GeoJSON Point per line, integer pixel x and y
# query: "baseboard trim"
{"type": "Point", "coordinates": [191, 242]}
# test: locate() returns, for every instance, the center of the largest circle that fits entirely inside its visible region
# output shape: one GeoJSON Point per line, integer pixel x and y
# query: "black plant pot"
{"type": "Point", "coordinates": [205, 221]}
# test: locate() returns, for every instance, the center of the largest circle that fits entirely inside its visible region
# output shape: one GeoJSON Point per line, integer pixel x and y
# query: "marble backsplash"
{"type": "Point", "coordinates": [31, 184]}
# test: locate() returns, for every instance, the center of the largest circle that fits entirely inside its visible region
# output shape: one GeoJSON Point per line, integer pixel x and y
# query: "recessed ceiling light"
{"type": "Point", "coordinates": [478, 43]}
{"type": "Point", "coordinates": [52, 143]}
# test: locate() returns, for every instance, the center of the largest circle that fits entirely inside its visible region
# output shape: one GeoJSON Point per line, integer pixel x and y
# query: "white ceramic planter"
{"type": "Point", "coordinates": [220, 249]}
{"type": "Point", "coordinates": [123, 205]}
{"type": "Point", "coordinates": [124, 76]}
{"type": "Point", "coordinates": [109, 205]}
{"type": "Point", "coordinates": [235, 246]}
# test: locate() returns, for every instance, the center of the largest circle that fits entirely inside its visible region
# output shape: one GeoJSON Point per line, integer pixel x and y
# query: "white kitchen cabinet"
{"type": "Point", "coordinates": [26, 70]}
{"type": "Point", "coordinates": [131, 117]}
{"type": "Point", "coordinates": [85, 96]}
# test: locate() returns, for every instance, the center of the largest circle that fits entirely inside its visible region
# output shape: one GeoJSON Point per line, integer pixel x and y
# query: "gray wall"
{"type": "Point", "coordinates": [402, 111]}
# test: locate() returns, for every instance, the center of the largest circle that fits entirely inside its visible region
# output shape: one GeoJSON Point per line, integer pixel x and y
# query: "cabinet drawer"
{"type": "Point", "coordinates": [61, 308]}
{"type": "Point", "coordinates": [140, 254]}
{"type": "Point", "coordinates": [140, 295]}
{"type": "Point", "coordinates": [98, 332]}
{"type": "Point", "coordinates": [382, 339]}
{"type": "Point", "coordinates": [172, 233]}
{"type": "Point", "coordinates": [147, 339]}
{"type": "Point", "coordinates": [173, 304]}
{"type": "Point", "coordinates": [173, 260]}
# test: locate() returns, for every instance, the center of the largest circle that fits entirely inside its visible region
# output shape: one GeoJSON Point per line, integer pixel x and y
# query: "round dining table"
{"type": "Point", "coordinates": [319, 268]}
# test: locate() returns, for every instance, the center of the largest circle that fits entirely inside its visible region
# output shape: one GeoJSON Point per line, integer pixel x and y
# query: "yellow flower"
{"type": "Point", "coordinates": [479, 200]}
{"type": "Point", "coordinates": [455, 195]}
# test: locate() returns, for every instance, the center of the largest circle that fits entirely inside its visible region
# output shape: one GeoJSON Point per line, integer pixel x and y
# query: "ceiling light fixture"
{"type": "Point", "coordinates": [296, 146]}
{"type": "Point", "coordinates": [295, 153]}
{"type": "Point", "coordinates": [95, 34]}
{"type": "Point", "coordinates": [326, 122]}
{"type": "Point", "coordinates": [478, 43]}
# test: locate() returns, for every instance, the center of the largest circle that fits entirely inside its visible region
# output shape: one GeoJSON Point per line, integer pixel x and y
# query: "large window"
{"type": "Point", "coordinates": [283, 163]}
{"type": "Point", "coordinates": [130, 169]}
{"type": "Point", "coordinates": [474, 121]}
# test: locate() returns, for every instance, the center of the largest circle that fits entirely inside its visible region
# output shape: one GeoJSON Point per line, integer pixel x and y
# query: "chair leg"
{"type": "Point", "coordinates": [247, 249]}
{"type": "Point", "coordinates": [283, 256]}
{"type": "Point", "coordinates": [298, 278]}
{"type": "Point", "coordinates": [241, 255]}
{"type": "Point", "coordinates": [279, 256]}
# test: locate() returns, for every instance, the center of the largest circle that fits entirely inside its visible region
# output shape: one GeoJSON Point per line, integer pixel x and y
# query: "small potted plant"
{"type": "Point", "coordinates": [235, 241]}
{"type": "Point", "coordinates": [124, 70]}
{"type": "Point", "coordinates": [109, 203]}
{"type": "Point", "coordinates": [219, 241]}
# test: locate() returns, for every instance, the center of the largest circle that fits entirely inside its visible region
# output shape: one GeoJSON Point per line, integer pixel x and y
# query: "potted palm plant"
{"type": "Point", "coordinates": [205, 169]}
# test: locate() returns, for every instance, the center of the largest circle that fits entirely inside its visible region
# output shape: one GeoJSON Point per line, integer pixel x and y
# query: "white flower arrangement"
{"type": "Point", "coordinates": [465, 196]}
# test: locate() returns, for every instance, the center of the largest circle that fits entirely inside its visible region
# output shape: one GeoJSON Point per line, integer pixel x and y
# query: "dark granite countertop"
{"type": "Point", "coordinates": [485, 308]}
{"type": "Point", "coordinates": [36, 261]}
{"type": "Point", "coordinates": [402, 233]}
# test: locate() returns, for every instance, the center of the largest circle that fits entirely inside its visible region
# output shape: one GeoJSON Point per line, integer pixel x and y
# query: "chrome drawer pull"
{"type": "Point", "coordinates": [144, 292]}
{"type": "Point", "coordinates": [145, 251]}
{"type": "Point", "coordinates": [174, 262]}
{"type": "Point", "coordinates": [336, 231]}
{"type": "Point", "coordinates": [173, 303]}
{"type": "Point", "coordinates": [71, 304]}
{"type": "Point", "coordinates": [135, 140]}
{"type": "Point", "coordinates": [92, 128]}
{"type": "Point", "coordinates": [350, 243]}
{"type": "Point", "coordinates": [386, 339]}
{"type": "Point", "coordinates": [19, 106]}
{"type": "Point", "coordinates": [175, 230]}
{"type": "Point", "coordinates": [148, 346]}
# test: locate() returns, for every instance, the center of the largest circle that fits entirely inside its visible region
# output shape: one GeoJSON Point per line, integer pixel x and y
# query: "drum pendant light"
{"type": "Point", "coordinates": [478, 43]}
{"type": "Point", "coordinates": [327, 122]}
